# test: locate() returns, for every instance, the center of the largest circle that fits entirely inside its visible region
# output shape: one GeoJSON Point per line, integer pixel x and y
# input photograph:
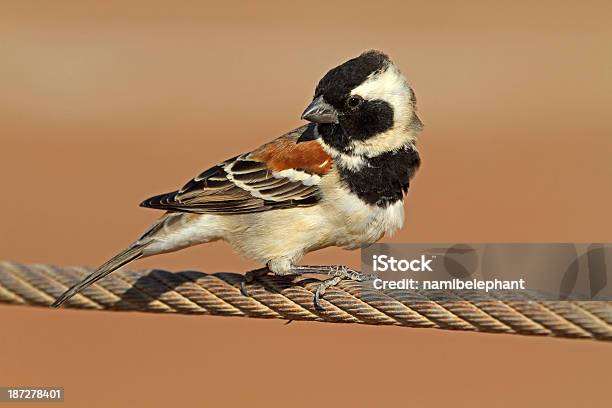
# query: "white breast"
{"type": "Point", "coordinates": [357, 222]}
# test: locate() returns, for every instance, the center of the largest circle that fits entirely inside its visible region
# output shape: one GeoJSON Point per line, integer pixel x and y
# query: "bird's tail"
{"type": "Point", "coordinates": [133, 252]}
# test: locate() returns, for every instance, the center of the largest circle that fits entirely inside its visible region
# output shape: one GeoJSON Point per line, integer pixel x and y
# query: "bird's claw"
{"type": "Point", "coordinates": [320, 291]}
{"type": "Point", "coordinates": [249, 277]}
{"type": "Point", "coordinates": [243, 288]}
{"type": "Point", "coordinates": [317, 299]}
{"type": "Point", "coordinates": [338, 273]}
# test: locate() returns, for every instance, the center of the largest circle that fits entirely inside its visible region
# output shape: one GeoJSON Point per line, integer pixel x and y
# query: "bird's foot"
{"type": "Point", "coordinates": [321, 290]}
{"type": "Point", "coordinates": [337, 273]}
{"type": "Point", "coordinates": [249, 277]}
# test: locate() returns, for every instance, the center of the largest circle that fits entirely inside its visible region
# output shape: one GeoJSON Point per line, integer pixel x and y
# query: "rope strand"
{"type": "Point", "coordinates": [292, 299]}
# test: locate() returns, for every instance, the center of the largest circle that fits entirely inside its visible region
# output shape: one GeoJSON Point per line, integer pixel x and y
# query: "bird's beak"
{"type": "Point", "coordinates": [319, 111]}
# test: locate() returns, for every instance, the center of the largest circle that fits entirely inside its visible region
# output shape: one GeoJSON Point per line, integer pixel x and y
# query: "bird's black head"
{"type": "Point", "coordinates": [361, 99]}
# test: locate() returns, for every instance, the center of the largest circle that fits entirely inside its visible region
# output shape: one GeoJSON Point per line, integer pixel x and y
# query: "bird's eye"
{"type": "Point", "coordinates": [354, 101]}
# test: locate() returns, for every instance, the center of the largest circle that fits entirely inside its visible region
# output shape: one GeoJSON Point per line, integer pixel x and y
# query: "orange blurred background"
{"type": "Point", "coordinates": [103, 104]}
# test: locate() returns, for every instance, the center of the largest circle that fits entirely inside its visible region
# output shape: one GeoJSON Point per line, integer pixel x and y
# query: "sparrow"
{"type": "Point", "coordinates": [339, 180]}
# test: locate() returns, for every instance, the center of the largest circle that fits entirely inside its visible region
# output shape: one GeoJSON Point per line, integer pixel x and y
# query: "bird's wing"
{"type": "Point", "coordinates": [281, 174]}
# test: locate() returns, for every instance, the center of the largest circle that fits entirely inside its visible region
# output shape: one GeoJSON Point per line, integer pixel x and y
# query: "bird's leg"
{"type": "Point", "coordinates": [336, 272]}
{"type": "Point", "coordinates": [332, 270]}
{"type": "Point", "coordinates": [250, 276]}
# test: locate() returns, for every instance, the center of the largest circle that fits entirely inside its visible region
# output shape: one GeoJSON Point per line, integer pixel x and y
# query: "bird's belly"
{"type": "Point", "coordinates": [365, 224]}
{"type": "Point", "coordinates": [286, 233]}
{"type": "Point", "coordinates": [291, 233]}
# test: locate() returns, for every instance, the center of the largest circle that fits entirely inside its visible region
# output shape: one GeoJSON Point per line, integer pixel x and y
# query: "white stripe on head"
{"type": "Point", "coordinates": [390, 86]}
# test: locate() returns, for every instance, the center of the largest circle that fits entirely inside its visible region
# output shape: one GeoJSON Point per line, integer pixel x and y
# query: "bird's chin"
{"type": "Point", "coordinates": [329, 131]}
{"type": "Point", "coordinates": [327, 128]}
{"type": "Point", "coordinates": [334, 136]}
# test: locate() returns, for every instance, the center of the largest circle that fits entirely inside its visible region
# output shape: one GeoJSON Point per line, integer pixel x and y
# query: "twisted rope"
{"type": "Point", "coordinates": [292, 299]}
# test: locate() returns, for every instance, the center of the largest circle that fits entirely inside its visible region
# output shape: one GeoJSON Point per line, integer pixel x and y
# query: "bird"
{"type": "Point", "coordinates": [338, 180]}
